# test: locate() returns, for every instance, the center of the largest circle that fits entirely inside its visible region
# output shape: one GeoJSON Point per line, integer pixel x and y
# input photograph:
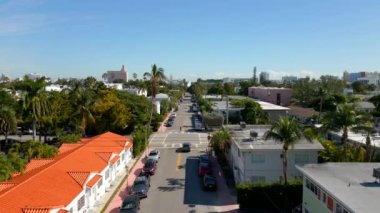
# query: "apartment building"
{"type": "Point", "coordinates": [254, 159]}
{"type": "Point", "coordinates": [74, 181]}
{"type": "Point", "coordinates": [274, 95]}
{"type": "Point", "coordinates": [340, 187]}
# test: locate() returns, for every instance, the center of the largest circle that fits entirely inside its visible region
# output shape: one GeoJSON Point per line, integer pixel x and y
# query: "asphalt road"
{"type": "Point", "coordinates": [176, 186]}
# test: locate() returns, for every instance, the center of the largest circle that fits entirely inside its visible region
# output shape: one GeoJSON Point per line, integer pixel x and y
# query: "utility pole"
{"type": "Point", "coordinates": [227, 110]}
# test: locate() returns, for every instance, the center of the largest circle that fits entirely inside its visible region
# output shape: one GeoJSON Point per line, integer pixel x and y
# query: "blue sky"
{"type": "Point", "coordinates": [189, 38]}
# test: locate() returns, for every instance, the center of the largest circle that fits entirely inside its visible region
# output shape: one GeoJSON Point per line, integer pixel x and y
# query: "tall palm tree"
{"type": "Point", "coordinates": [344, 118]}
{"type": "Point", "coordinates": [156, 76]}
{"type": "Point", "coordinates": [367, 127]}
{"type": "Point", "coordinates": [8, 121]}
{"type": "Point", "coordinates": [288, 131]}
{"type": "Point", "coordinates": [34, 99]}
{"type": "Point", "coordinates": [82, 100]}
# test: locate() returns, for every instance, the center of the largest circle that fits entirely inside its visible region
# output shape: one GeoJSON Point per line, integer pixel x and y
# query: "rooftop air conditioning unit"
{"type": "Point", "coordinates": [242, 125]}
{"type": "Point", "coordinates": [376, 173]}
{"type": "Point", "coordinates": [253, 134]}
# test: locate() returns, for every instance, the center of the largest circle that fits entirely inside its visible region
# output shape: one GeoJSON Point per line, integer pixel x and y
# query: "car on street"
{"type": "Point", "coordinates": [169, 123]}
{"type": "Point", "coordinates": [150, 167]}
{"type": "Point", "coordinates": [186, 147]}
{"type": "Point", "coordinates": [209, 183]}
{"type": "Point", "coordinates": [154, 154]}
{"type": "Point", "coordinates": [131, 204]}
{"type": "Point", "coordinates": [141, 186]}
{"type": "Point", "coordinates": [204, 165]}
{"type": "Point", "coordinates": [172, 115]}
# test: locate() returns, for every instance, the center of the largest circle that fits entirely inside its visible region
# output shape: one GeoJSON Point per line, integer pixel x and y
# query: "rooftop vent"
{"type": "Point", "coordinates": [253, 134]}
{"type": "Point", "coordinates": [376, 173]}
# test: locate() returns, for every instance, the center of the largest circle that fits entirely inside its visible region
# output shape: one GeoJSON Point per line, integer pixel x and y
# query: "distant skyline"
{"type": "Point", "coordinates": [189, 39]}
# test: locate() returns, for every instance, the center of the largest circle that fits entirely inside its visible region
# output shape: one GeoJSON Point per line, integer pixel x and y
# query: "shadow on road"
{"type": "Point", "coordinates": [195, 195]}
{"type": "Point", "coordinates": [172, 185]}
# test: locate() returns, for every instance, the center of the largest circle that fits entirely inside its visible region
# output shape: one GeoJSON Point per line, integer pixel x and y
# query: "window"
{"type": "Point", "coordinates": [338, 208]}
{"type": "Point", "coordinates": [100, 182]}
{"type": "Point", "coordinates": [80, 203]}
{"type": "Point", "coordinates": [308, 183]}
{"type": "Point", "coordinates": [118, 162]}
{"type": "Point", "coordinates": [107, 174]}
{"type": "Point", "coordinates": [301, 158]}
{"type": "Point", "coordinates": [324, 197]}
{"type": "Point", "coordinates": [258, 179]}
{"type": "Point", "coordinates": [257, 158]}
{"type": "Point", "coordinates": [330, 203]}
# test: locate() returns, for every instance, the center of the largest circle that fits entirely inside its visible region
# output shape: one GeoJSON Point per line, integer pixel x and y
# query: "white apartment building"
{"type": "Point", "coordinates": [254, 159]}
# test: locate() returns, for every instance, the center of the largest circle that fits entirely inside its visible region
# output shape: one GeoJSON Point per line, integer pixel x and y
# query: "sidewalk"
{"type": "Point", "coordinates": [121, 177]}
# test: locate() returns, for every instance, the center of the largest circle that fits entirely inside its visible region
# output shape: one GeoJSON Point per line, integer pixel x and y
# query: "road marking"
{"type": "Point", "coordinates": [165, 138]}
{"type": "Point", "coordinates": [178, 162]}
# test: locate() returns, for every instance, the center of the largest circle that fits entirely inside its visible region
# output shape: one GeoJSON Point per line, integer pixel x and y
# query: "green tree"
{"type": "Point", "coordinates": [6, 169]}
{"type": "Point", "coordinates": [34, 99]}
{"type": "Point", "coordinates": [367, 127]}
{"type": "Point", "coordinates": [8, 122]}
{"type": "Point", "coordinates": [342, 119]}
{"type": "Point", "coordinates": [221, 143]}
{"type": "Point", "coordinates": [253, 113]}
{"type": "Point", "coordinates": [288, 131]}
{"type": "Point", "coordinates": [156, 76]}
{"type": "Point", "coordinates": [359, 87]}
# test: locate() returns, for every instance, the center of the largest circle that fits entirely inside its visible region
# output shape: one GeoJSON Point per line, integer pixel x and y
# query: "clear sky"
{"type": "Point", "coordinates": [189, 38]}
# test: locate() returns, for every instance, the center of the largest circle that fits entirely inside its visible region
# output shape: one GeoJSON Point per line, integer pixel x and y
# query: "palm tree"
{"type": "Point", "coordinates": [156, 76]}
{"type": "Point", "coordinates": [344, 118]}
{"type": "Point", "coordinates": [82, 100]}
{"type": "Point", "coordinates": [35, 99]}
{"type": "Point", "coordinates": [8, 121]}
{"type": "Point", "coordinates": [288, 131]}
{"type": "Point", "coordinates": [367, 127]}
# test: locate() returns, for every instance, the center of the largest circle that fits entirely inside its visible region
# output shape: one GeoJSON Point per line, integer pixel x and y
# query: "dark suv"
{"type": "Point", "coordinates": [131, 204]}
{"type": "Point", "coordinates": [149, 167]}
{"type": "Point", "coordinates": [141, 186]}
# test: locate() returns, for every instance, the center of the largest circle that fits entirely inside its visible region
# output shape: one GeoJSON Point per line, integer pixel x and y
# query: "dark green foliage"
{"type": "Point", "coordinates": [69, 138]}
{"type": "Point", "coordinates": [270, 196]}
{"type": "Point", "coordinates": [213, 120]}
{"type": "Point", "coordinates": [140, 137]}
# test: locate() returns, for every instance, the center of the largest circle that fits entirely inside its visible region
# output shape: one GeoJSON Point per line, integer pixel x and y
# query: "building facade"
{"type": "Point", "coordinates": [121, 75]}
{"type": "Point", "coordinates": [340, 188]}
{"type": "Point", "coordinates": [255, 160]}
{"type": "Point", "coordinates": [74, 181]}
{"type": "Point", "coordinates": [274, 95]}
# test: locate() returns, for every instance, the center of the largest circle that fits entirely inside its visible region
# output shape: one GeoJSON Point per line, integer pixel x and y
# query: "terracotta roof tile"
{"type": "Point", "coordinates": [104, 155]}
{"type": "Point", "coordinates": [58, 182]}
{"type": "Point", "coordinates": [68, 147]}
{"type": "Point", "coordinates": [37, 163]}
{"type": "Point", "coordinates": [5, 186]}
{"type": "Point", "coordinates": [115, 159]}
{"type": "Point", "coordinates": [94, 180]}
{"type": "Point", "coordinates": [36, 210]}
{"type": "Point", "coordinates": [79, 177]}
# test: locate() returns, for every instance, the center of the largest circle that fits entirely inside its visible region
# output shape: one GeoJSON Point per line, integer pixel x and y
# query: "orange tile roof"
{"type": "Point", "coordinates": [5, 186]}
{"type": "Point", "coordinates": [37, 163]}
{"type": "Point", "coordinates": [36, 210]}
{"type": "Point", "coordinates": [115, 159]}
{"type": "Point", "coordinates": [68, 147]}
{"type": "Point", "coordinates": [58, 182]}
{"type": "Point", "coordinates": [94, 180]}
{"type": "Point", "coordinates": [79, 177]}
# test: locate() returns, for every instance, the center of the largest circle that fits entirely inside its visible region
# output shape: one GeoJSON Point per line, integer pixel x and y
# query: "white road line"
{"type": "Point", "coordinates": [165, 138]}
{"type": "Point", "coordinates": [199, 137]}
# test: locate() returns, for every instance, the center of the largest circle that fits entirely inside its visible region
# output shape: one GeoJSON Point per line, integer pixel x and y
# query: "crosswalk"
{"type": "Point", "coordinates": [172, 140]}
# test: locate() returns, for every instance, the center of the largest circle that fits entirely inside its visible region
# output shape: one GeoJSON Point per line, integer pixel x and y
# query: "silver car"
{"type": "Point", "coordinates": [154, 155]}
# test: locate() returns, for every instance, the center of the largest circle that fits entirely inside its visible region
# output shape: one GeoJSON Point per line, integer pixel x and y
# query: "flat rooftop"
{"type": "Point", "coordinates": [350, 183]}
{"type": "Point", "coordinates": [243, 139]}
{"type": "Point", "coordinates": [359, 138]}
{"type": "Point", "coordinates": [221, 105]}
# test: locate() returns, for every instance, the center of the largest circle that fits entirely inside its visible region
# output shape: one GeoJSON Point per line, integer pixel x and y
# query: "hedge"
{"type": "Point", "coordinates": [270, 196]}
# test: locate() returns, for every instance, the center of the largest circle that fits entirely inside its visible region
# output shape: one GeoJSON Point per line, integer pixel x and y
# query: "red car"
{"type": "Point", "coordinates": [149, 167]}
{"type": "Point", "coordinates": [204, 166]}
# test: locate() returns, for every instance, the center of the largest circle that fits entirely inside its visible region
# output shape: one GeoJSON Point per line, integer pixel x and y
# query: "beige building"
{"type": "Point", "coordinates": [111, 76]}
{"type": "Point", "coordinates": [274, 95]}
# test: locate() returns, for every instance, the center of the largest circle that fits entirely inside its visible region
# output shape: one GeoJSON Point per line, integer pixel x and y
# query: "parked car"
{"type": "Point", "coordinates": [209, 183]}
{"type": "Point", "coordinates": [172, 115]}
{"type": "Point", "coordinates": [149, 167]}
{"type": "Point", "coordinates": [154, 154]}
{"type": "Point", "coordinates": [169, 123]}
{"type": "Point", "coordinates": [204, 165]}
{"type": "Point", "coordinates": [186, 147]}
{"type": "Point", "coordinates": [131, 204]}
{"type": "Point", "coordinates": [141, 186]}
